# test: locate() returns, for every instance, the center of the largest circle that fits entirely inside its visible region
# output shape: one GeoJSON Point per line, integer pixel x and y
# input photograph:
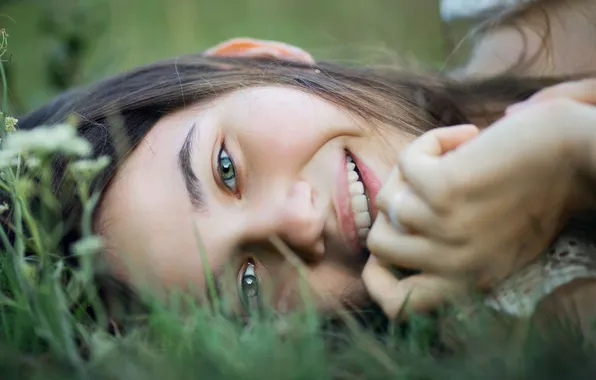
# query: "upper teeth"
{"type": "Point", "coordinates": [359, 201]}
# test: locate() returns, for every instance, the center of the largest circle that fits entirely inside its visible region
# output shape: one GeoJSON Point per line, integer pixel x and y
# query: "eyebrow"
{"type": "Point", "coordinates": [192, 182]}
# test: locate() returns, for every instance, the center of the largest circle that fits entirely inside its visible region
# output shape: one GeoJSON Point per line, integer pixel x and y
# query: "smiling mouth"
{"type": "Point", "coordinates": [359, 200]}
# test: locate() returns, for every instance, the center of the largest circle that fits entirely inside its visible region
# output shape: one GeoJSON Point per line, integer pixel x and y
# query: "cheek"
{"type": "Point", "coordinates": [329, 287]}
{"type": "Point", "coordinates": [333, 287]}
{"type": "Point", "coordinates": [151, 241]}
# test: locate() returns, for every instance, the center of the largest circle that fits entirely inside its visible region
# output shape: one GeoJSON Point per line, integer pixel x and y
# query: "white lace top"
{"type": "Point", "coordinates": [572, 256]}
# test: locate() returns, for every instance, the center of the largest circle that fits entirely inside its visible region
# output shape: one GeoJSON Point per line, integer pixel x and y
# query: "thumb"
{"type": "Point", "coordinates": [442, 140]}
{"type": "Point", "coordinates": [423, 152]}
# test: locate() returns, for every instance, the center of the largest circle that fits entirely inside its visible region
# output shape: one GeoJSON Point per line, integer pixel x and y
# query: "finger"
{"type": "Point", "coordinates": [394, 185]}
{"type": "Point", "coordinates": [441, 140]}
{"type": "Point", "coordinates": [407, 212]}
{"type": "Point", "coordinates": [406, 250]}
{"type": "Point", "coordinates": [582, 91]}
{"type": "Point", "coordinates": [414, 294]}
{"type": "Point", "coordinates": [417, 162]}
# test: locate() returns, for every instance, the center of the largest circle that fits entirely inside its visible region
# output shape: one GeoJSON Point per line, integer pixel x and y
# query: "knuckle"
{"type": "Point", "coordinates": [458, 228]}
{"type": "Point", "coordinates": [439, 199]}
{"type": "Point", "coordinates": [448, 185]}
{"type": "Point", "coordinates": [458, 261]}
{"type": "Point", "coordinates": [444, 191]}
{"type": "Point", "coordinates": [467, 260]}
{"type": "Point", "coordinates": [449, 231]}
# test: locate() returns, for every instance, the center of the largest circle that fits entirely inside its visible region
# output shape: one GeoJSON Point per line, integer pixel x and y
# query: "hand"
{"type": "Point", "coordinates": [253, 48]}
{"type": "Point", "coordinates": [478, 211]}
{"type": "Point", "coordinates": [423, 291]}
{"type": "Point", "coordinates": [583, 91]}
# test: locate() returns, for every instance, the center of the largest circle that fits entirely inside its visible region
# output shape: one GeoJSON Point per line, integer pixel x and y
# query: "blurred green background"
{"type": "Point", "coordinates": [57, 44]}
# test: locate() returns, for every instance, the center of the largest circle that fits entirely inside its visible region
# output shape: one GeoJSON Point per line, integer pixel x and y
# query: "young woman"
{"type": "Point", "coordinates": [565, 273]}
{"type": "Point", "coordinates": [264, 167]}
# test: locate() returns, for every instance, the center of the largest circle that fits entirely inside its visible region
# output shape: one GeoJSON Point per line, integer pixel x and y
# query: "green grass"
{"type": "Point", "coordinates": [55, 325]}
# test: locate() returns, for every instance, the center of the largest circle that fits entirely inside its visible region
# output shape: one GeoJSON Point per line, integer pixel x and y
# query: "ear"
{"type": "Point", "coordinates": [253, 48]}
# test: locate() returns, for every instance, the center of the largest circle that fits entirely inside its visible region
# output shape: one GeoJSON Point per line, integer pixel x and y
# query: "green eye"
{"type": "Point", "coordinates": [226, 170]}
{"type": "Point", "coordinates": [248, 286]}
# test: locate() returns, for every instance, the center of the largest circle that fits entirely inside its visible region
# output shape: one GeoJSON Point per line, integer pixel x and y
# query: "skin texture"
{"type": "Point", "coordinates": [479, 208]}
{"type": "Point", "coordinates": [288, 150]}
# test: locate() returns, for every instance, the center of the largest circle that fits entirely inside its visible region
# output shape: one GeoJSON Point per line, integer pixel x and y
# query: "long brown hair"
{"type": "Point", "coordinates": [116, 113]}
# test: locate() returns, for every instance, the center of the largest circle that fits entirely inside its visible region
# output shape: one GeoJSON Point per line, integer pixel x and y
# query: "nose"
{"type": "Point", "coordinates": [296, 216]}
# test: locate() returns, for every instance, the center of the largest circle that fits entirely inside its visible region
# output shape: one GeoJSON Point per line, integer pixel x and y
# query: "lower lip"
{"type": "Point", "coordinates": [371, 183]}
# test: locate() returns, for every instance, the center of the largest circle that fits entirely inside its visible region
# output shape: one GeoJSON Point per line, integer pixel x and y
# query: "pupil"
{"type": "Point", "coordinates": [250, 286]}
{"type": "Point", "coordinates": [226, 165]}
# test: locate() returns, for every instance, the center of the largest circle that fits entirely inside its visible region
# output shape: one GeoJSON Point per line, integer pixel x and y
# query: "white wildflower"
{"type": "Point", "coordinates": [33, 162]}
{"type": "Point", "coordinates": [10, 124]}
{"type": "Point", "coordinates": [87, 246]}
{"type": "Point", "coordinates": [4, 207]}
{"type": "Point", "coordinates": [9, 157]}
{"type": "Point", "coordinates": [60, 138]}
{"type": "Point", "coordinates": [89, 168]}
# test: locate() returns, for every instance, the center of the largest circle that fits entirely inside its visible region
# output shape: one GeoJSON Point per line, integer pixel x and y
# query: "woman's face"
{"type": "Point", "coordinates": [216, 181]}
